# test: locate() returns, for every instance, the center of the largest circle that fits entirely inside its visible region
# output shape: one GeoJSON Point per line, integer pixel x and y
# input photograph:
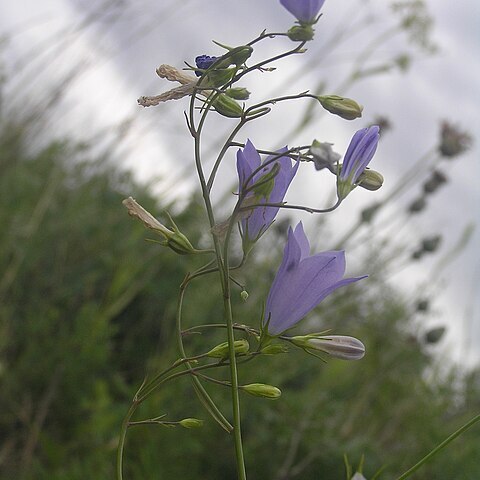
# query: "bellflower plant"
{"type": "Point", "coordinates": [255, 222]}
{"type": "Point", "coordinates": [359, 154]}
{"type": "Point", "coordinates": [302, 282]}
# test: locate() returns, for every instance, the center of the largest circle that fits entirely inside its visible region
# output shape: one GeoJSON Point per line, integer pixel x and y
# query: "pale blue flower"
{"type": "Point", "coordinates": [359, 154]}
{"type": "Point", "coordinates": [302, 282]}
{"type": "Point", "coordinates": [255, 222]}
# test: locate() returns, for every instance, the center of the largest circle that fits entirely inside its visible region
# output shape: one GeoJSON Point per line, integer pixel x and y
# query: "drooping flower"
{"type": "Point", "coordinates": [302, 282]}
{"type": "Point", "coordinates": [305, 11]}
{"type": "Point", "coordinates": [255, 222]}
{"type": "Point", "coordinates": [359, 154]}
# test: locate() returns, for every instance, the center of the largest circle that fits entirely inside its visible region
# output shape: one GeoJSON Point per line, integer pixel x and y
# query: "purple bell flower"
{"type": "Point", "coordinates": [255, 222]}
{"type": "Point", "coordinates": [305, 11]}
{"type": "Point", "coordinates": [302, 282]}
{"type": "Point", "coordinates": [359, 153]}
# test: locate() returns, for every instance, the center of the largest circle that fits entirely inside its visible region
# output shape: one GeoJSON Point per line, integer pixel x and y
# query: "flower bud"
{"type": "Point", "coordinates": [370, 180]}
{"type": "Point", "coordinates": [337, 346]}
{"type": "Point", "coordinates": [301, 33]}
{"type": "Point", "coordinates": [417, 205]}
{"type": "Point", "coordinates": [274, 349]}
{"type": "Point", "coordinates": [423, 305]}
{"type": "Point", "coordinates": [431, 244]}
{"type": "Point", "coordinates": [262, 390]}
{"type": "Point", "coordinates": [434, 182]}
{"type": "Point", "coordinates": [343, 107]}
{"type": "Point", "coordinates": [221, 350]}
{"type": "Point", "coordinates": [227, 106]}
{"type": "Point", "coordinates": [218, 77]}
{"type": "Point", "coordinates": [191, 423]}
{"type": "Point", "coordinates": [369, 213]}
{"type": "Point", "coordinates": [434, 335]}
{"type": "Point", "coordinates": [173, 239]}
{"type": "Point", "coordinates": [238, 93]}
{"type": "Point", "coordinates": [235, 56]}
{"type": "Point", "coordinates": [244, 295]}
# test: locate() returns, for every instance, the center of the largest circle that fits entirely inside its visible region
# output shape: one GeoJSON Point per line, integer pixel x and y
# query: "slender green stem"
{"type": "Point", "coordinates": [121, 442]}
{"type": "Point", "coordinates": [449, 439]}
{"type": "Point", "coordinates": [202, 394]}
{"type": "Point", "coordinates": [225, 282]}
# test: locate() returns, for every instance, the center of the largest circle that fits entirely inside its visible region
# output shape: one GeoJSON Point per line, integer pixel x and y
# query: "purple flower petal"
{"type": "Point", "coordinates": [304, 11]}
{"type": "Point", "coordinates": [256, 222]}
{"type": "Point", "coordinates": [302, 282]}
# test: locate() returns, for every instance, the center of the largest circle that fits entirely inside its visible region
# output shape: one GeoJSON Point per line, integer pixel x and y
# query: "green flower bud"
{"type": "Point", "coordinates": [343, 107]}
{"type": "Point", "coordinates": [221, 350]}
{"type": "Point", "coordinates": [218, 77]}
{"type": "Point", "coordinates": [244, 295]}
{"type": "Point", "coordinates": [227, 106]}
{"type": "Point", "coordinates": [191, 423]}
{"type": "Point", "coordinates": [235, 56]}
{"type": "Point", "coordinates": [262, 390]}
{"type": "Point", "coordinates": [370, 180]}
{"type": "Point", "coordinates": [301, 33]}
{"type": "Point", "coordinates": [238, 93]}
{"type": "Point", "coordinates": [274, 349]}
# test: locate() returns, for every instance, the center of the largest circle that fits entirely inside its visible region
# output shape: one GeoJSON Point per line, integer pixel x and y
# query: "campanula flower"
{"type": "Point", "coordinates": [268, 185]}
{"type": "Point", "coordinates": [302, 282]}
{"type": "Point", "coordinates": [305, 11]}
{"type": "Point", "coordinates": [359, 153]}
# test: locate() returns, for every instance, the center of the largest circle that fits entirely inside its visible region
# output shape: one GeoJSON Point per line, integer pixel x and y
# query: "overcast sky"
{"type": "Point", "coordinates": [120, 48]}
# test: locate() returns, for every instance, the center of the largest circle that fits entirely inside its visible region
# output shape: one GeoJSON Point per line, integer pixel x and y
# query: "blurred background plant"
{"type": "Point", "coordinates": [86, 303]}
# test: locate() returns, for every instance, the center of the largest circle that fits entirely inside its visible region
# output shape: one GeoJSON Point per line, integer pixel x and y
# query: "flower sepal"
{"type": "Point", "coordinates": [301, 33]}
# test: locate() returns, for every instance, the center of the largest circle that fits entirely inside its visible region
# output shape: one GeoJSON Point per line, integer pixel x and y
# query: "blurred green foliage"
{"type": "Point", "coordinates": [87, 306]}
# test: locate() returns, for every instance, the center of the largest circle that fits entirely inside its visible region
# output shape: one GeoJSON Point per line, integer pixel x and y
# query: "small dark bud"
{"type": "Point", "coordinates": [453, 141]}
{"type": "Point", "coordinates": [434, 182]}
{"type": "Point", "coordinates": [369, 212]}
{"type": "Point", "coordinates": [417, 255]}
{"type": "Point", "coordinates": [431, 244]}
{"type": "Point", "coordinates": [423, 305]}
{"type": "Point", "coordinates": [434, 335]}
{"type": "Point", "coordinates": [417, 205]}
